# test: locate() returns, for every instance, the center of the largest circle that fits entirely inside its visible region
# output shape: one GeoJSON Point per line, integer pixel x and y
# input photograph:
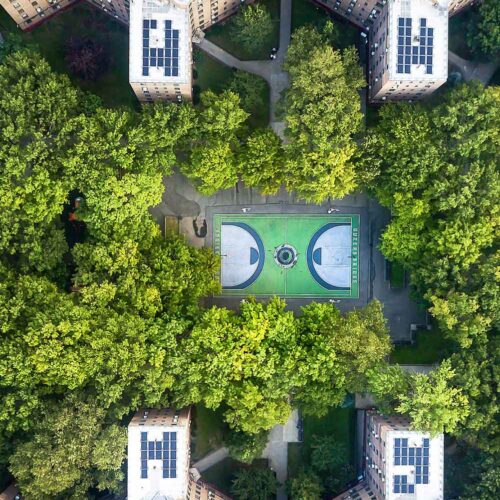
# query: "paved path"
{"type": "Point", "coordinates": [473, 70]}
{"type": "Point", "coordinates": [277, 450]}
{"type": "Point", "coordinates": [271, 71]}
{"type": "Point", "coordinates": [211, 459]}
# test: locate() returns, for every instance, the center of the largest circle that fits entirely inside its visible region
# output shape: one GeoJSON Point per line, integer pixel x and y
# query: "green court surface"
{"type": "Point", "coordinates": [288, 255]}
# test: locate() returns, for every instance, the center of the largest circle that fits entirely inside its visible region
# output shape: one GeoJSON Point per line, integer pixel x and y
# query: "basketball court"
{"type": "Point", "coordinates": [290, 255]}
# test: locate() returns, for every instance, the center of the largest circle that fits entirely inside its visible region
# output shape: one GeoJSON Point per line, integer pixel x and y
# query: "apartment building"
{"type": "Point", "coordinates": [362, 13]}
{"type": "Point", "coordinates": [160, 50]}
{"type": "Point", "coordinates": [399, 463]}
{"type": "Point", "coordinates": [408, 50]}
{"type": "Point", "coordinates": [159, 458]}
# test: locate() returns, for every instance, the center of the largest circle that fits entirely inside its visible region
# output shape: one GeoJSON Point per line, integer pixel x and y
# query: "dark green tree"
{"type": "Point", "coordinates": [483, 34]}
{"type": "Point", "coordinates": [254, 484]}
{"type": "Point", "coordinates": [246, 447]}
{"type": "Point", "coordinates": [306, 485]}
{"type": "Point", "coordinates": [252, 27]}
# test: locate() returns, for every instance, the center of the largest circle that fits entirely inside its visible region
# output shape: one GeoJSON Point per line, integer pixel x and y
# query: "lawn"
{"type": "Point", "coordinates": [397, 272]}
{"type": "Point", "coordinates": [339, 423]}
{"type": "Point", "coordinates": [430, 347]}
{"type": "Point", "coordinates": [208, 431]}
{"type": "Point", "coordinates": [83, 20]}
{"type": "Point", "coordinates": [222, 474]}
{"type": "Point", "coordinates": [220, 35]}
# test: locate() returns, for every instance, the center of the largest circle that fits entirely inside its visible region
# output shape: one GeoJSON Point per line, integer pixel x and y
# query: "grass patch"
{"type": "Point", "coordinates": [397, 272]}
{"type": "Point", "coordinates": [83, 20]}
{"type": "Point", "coordinates": [210, 74]}
{"type": "Point", "coordinates": [221, 475]}
{"type": "Point", "coordinates": [208, 431]}
{"type": "Point", "coordinates": [220, 35]}
{"type": "Point", "coordinates": [431, 347]}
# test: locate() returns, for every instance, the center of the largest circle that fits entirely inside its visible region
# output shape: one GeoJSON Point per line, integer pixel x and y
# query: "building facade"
{"type": "Point", "coordinates": [159, 458]}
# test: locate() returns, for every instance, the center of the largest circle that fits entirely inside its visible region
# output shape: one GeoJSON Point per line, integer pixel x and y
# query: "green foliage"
{"type": "Point", "coordinates": [212, 152]}
{"type": "Point", "coordinates": [322, 113]}
{"type": "Point", "coordinates": [252, 27]}
{"type": "Point", "coordinates": [484, 32]}
{"type": "Point", "coordinates": [385, 383]}
{"type": "Point", "coordinates": [335, 353]}
{"type": "Point", "coordinates": [255, 484]}
{"type": "Point", "coordinates": [261, 161]}
{"type": "Point", "coordinates": [439, 176]}
{"type": "Point", "coordinates": [150, 278]}
{"type": "Point", "coordinates": [35, 107]}
{"type": "Point", "coordinates": [70, 450]}
{"type": "Point", "coordinates": [246, 447]}
{"type": "Point", "coordinates": [305, 486]}
{"type": "Point", "coordinates": [250, 88]}
{"type": "Point", "coordinates": [433, 404]}
{"type": "Point", "coordinates": [254, 361]}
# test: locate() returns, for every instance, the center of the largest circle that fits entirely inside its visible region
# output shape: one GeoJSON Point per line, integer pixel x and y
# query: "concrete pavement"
{"type": "Point", "coordinates": [276, 450]}
{"type": "Point", "coordinates": [473, 70]}
{"type": "Point", "coordinates": [211, 459]}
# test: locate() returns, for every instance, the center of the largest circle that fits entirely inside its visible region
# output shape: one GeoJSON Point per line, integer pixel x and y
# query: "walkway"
{"type": "Point", "coordinates": [271, 71]}
{"type": "Point", "coordinates": [473, 70]}
{"type": "Point", "coordinates": [211, 459]}
{"type": "Point", "coordinates": [277, 450]}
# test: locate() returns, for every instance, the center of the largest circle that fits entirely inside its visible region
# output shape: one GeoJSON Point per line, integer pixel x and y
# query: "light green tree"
{"type": "Point", "coordinates": [433, 403]}
{"type": "Point", "coordinates": [322, 116]}
{"type": "Point", "coordinates": [36, 105]}
{"type": "Point", "coordinates": [252, 27]}
{"type": "Point", "coordinates": [70, 450]}
{"type": "Point", "coordinates": [262, 162]}
{"type": "Point", "coordinates": [214, 142]}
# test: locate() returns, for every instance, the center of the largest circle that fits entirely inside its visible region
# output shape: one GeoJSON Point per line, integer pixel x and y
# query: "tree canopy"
{"type": "Point", "coordinates": [252, 27]}
{"type": "Point", "coordinates": [322, 111]}
{"type": "Point", "coordinates": [483, 35]}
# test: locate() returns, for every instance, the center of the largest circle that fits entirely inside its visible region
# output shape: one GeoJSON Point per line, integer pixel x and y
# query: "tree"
{"type": "Point", "coordinates": [254, 484]}
{"type": "Point", "coordinates": [306, 485]}
{"type": "Point", "coordinates": [433, 404]}
{"type": "Point", "coordinates": [261, 161]}
{"type": "Point", "coordinates": [484, 31]}
{"type": "Point", "coordinates": [439, 176]}
{"type": "Point", "coordinates": [246, 447]}
{"type": "Point", "coordinates": [70, 450]}
{"type": "Point", "coordinates": [386, 383]}
{"type": "Point", "coordinates": [86, 58]}
{"type": "Point", "coordinates": [251, 89]}
{"type": "Point", "coordinates": [162, 276]}
{"type": "Point", "coordinates": [261, 362]}
{"type": "Point", "coordinates": [335, 352]}
{"type": "Point", "coordinates": [322, 115]}
{"type": "Point", "coordinates": [36, 106]}
{"type": "Point", "coordinates": [252, 27]}
{"type": "Point", "coordinates": [118, 161]}
{"type": "Point", "coordinates": [214, 142]}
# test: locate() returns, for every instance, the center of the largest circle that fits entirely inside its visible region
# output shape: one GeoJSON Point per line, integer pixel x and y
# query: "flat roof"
{"type": "Point", "coordinates": [418, 40]}
{"type": "Point", "coordinates": [158, 455]}
{"type": "Point", "coordinates": [160, 42]}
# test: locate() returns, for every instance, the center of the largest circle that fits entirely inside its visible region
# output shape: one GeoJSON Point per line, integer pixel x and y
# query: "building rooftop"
{"type": "Point", "coordinates": [160, 39]}
{"type": "Point", "coordinates": [158, 455]}
{"type": "Point", "coordinates": [418, 40]}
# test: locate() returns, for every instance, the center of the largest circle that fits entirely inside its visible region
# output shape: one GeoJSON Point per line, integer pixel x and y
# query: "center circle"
{"type": "Point", "coordinates": [285, 256]}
